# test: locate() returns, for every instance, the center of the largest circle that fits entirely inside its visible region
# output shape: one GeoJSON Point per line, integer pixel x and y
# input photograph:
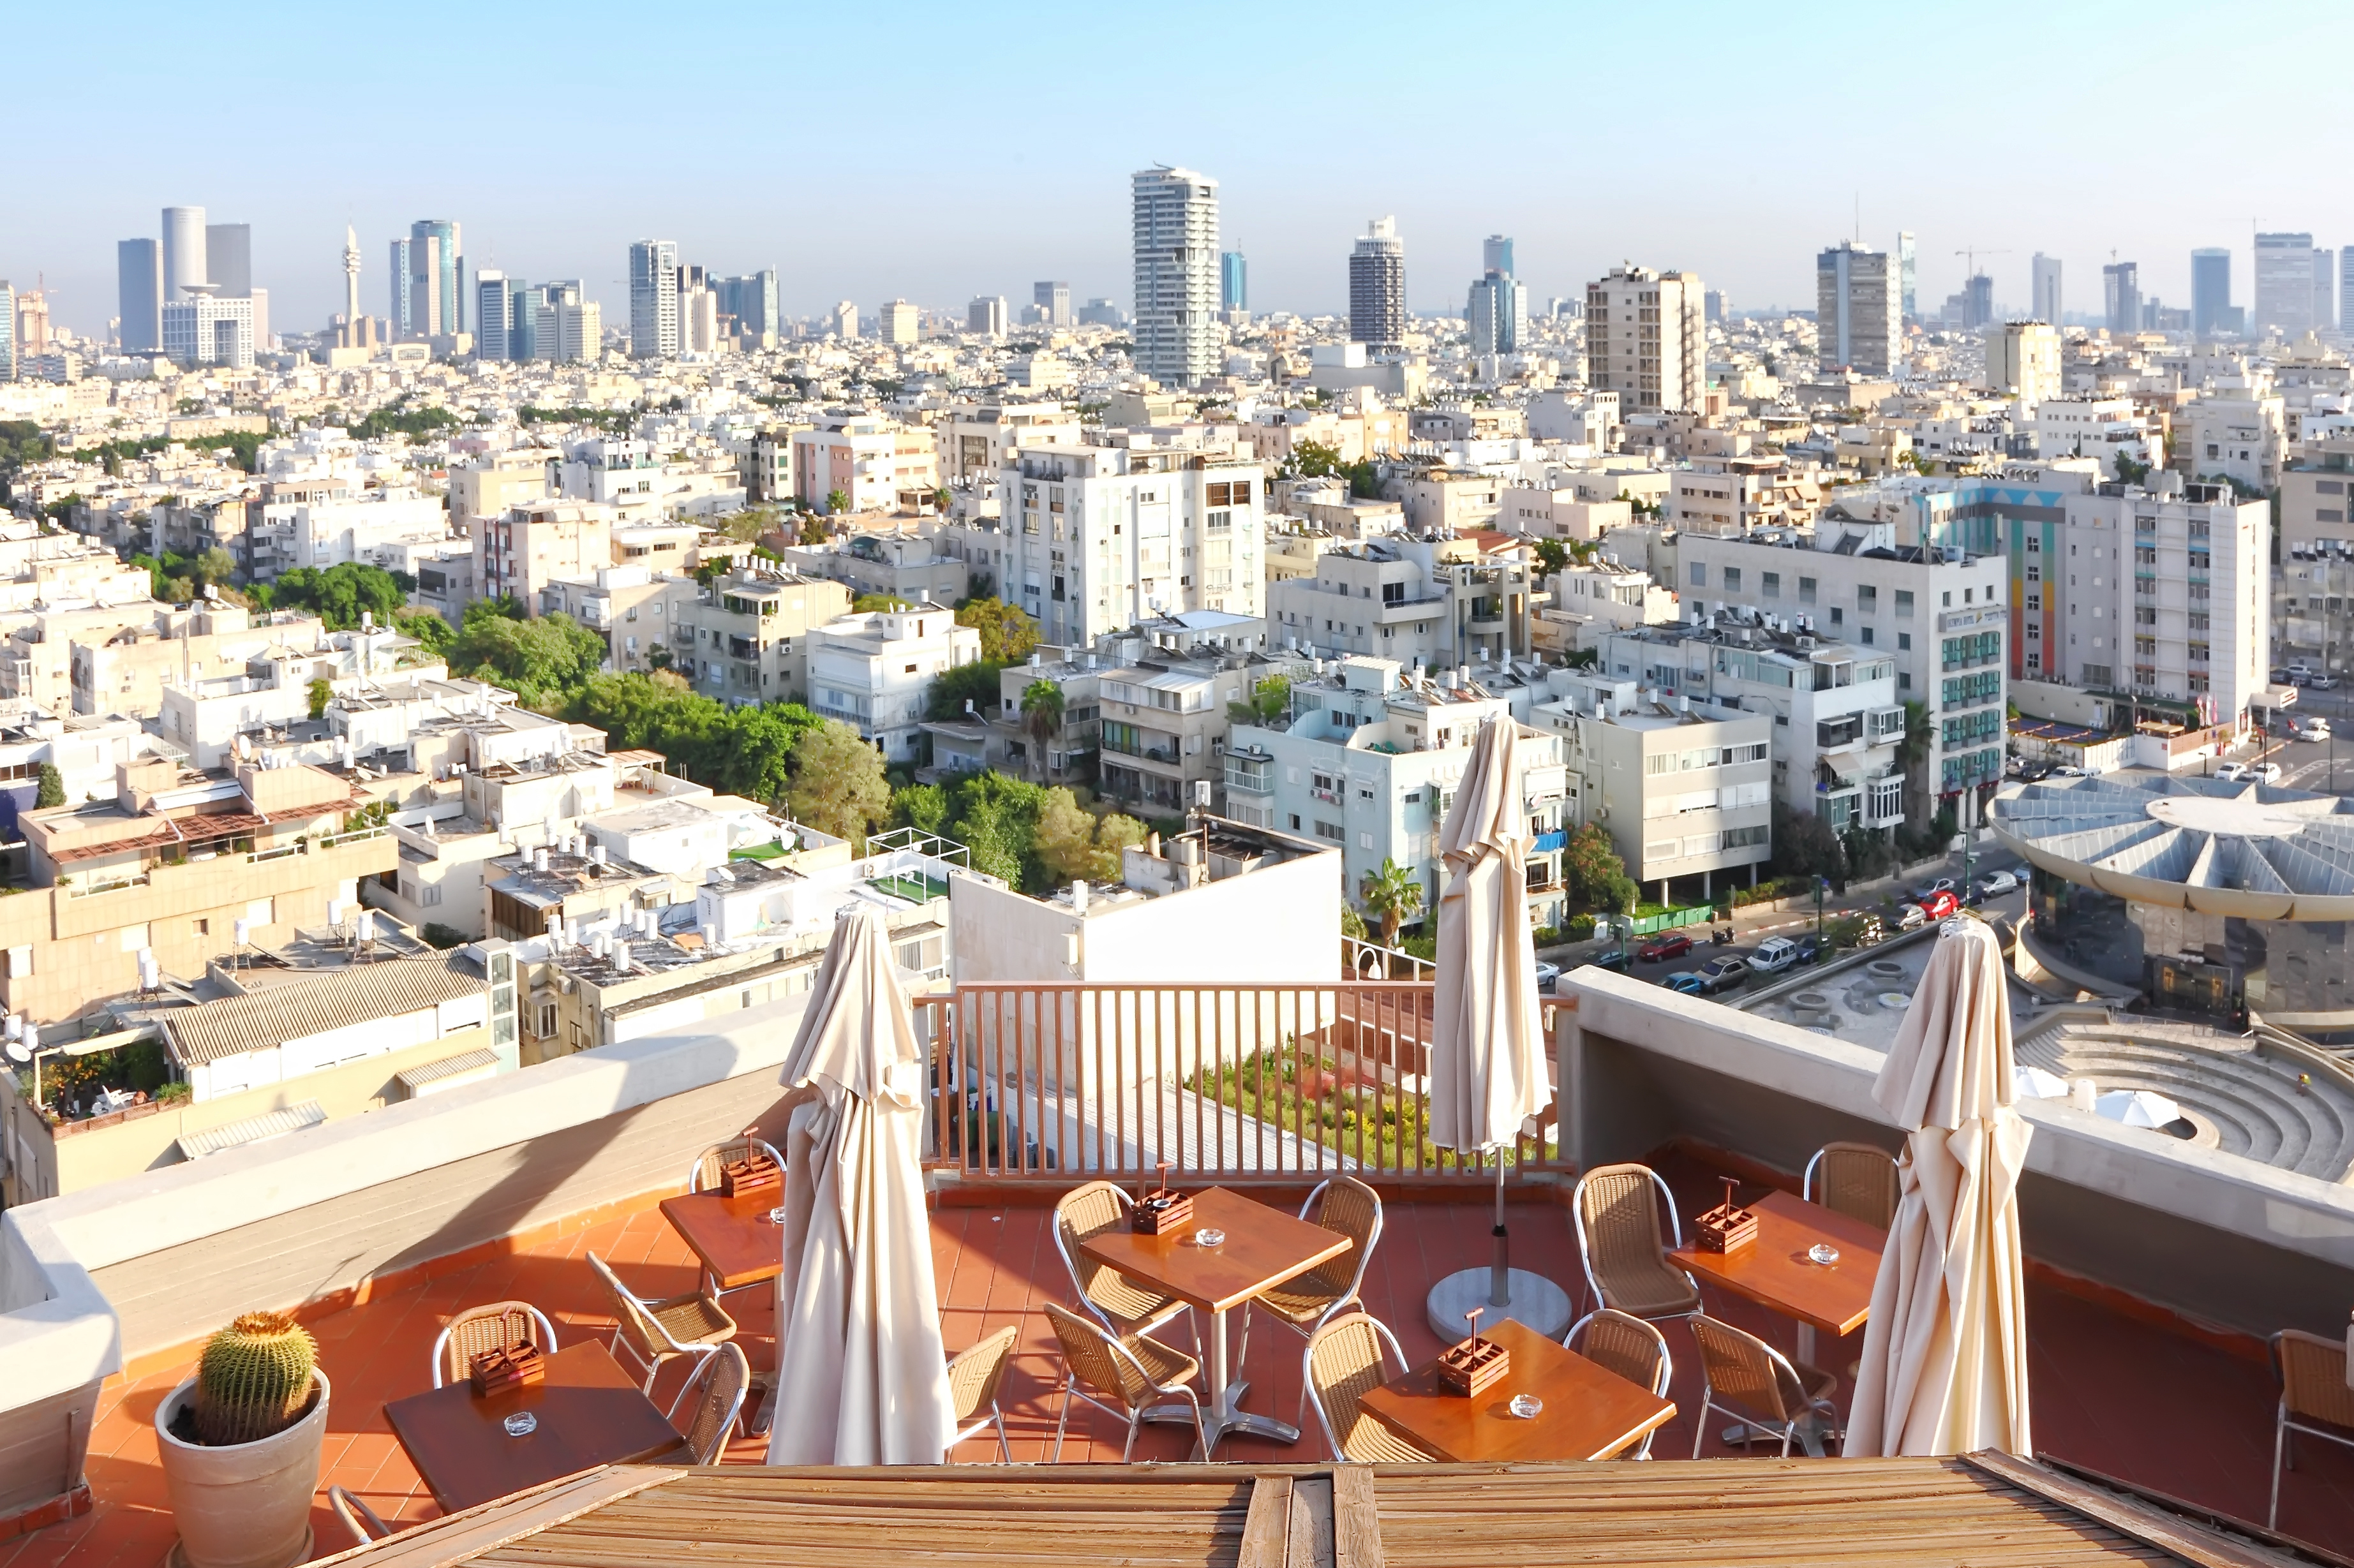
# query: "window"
{"type": "Point", "coordinates": [1867, 600]}
{"type": "Point", "coordinates": [1867, 637]}
{"type": "Point", "coordinates": [1904, 603]}
{"type": "Point", "coordinates": [1332, 831]}
{"type": "Point", "coordinates": [1771, 584]}
{"type": "Point", "coordinates": [1700, 574]}
{"type": "Point", "coordinates": [546, 1020]}
{"type": "Point", "coordinates": [1806, 590]}
{"type": "Point", "coordinates": [1733, 580]}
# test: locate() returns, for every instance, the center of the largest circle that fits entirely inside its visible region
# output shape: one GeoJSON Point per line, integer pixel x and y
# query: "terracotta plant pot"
{"type": "Point", "coordinates": [247, 1506]}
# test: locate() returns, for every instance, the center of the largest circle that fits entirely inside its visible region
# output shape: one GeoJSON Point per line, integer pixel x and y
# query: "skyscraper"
{"type": "Point", "coordinates": [1859, 321]}
{"type": "Point", "coordinates": [1234, 281]}
{"type": "Point", "coordinates": [1175, 238]}
{"type": "Point", "coordinates": [2325, 290]}
{"type": "Point", "coordinates": [653, 298]}
{"type": "Point", "coordinates": [184, 252]}
{"type": "Point", "coordinates": [1377, 286]}
{"type": "Point", "coordinates": [139, 295]}
{"type": "Point", "coordinates": [2044, 283]}
{"type": "Point", "coordinates": [8, 332]}
{"type": "Point", "coordinates": [1052, 298]}
{"type": "Point", "coordinates": [985, 317]}
{"type": "Point", "coordinates": [1905, 257]}
{"type": "Point", "coordinates": [2285, 284]}
{"type": "Point", "coordinates": [443, 274]}
{"type": "Point", "coordinates": [2121, 296]}
{"type": "Point", "coordinates": [416, 292]}
{"type": "Point", "coordinates": [1496, 255]}
{"type": "Point", "coordinates": [493, 315]}
{"type": "Point", "coordinates": [1978, 302]}
{"type": "Point", "coordinates": [752, 300]}
{"type": "Point", "coordinates": [1497, 313]}
{"type": "Point", "coordinates": [2346, 287]}
{"type": "Point", "coordinates": [351, 276]}
{"type": "Point", "coordinates": [2210, 290]}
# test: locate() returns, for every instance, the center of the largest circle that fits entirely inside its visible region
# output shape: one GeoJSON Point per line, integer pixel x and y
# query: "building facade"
{"type": "Point", "coordinates": [875, 671]}
{"type": "Point", "coordinates": [653, 298]}
{"type": "Point", "coordinates": [1176, 251]}
{"type": "Point", "coordinates": [1647, 339]}
{"type": "Point", "coordinates": [1377, 286]}
{"type": "Point", "coordinates": [1857, 312]}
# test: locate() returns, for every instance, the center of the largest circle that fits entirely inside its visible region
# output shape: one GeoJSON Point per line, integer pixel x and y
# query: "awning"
{"type": "Point", "coordinates": [1548, 842]}
{"type": "Point", "coordinates": [448, 1073]}
{"type": "Point", "coordinates": [252, 1129]}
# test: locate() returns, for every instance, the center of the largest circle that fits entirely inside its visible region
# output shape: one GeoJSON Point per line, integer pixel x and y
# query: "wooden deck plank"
{"type": "Point", "coordinates": [1356, 1520]}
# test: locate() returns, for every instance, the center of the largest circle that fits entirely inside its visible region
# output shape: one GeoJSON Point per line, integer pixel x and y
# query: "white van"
{"type": "Point", "coordinates": [1774, 954]}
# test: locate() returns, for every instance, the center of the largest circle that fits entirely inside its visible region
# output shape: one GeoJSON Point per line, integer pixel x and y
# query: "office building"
{"type": "Point", "coordinates": [416, 302]}
{"type": "Point", "coordinates": [2211, 290]}
{"type": "Point", "coordinates": [842, 321]}
{"type": "Point", "coordinates": [750, 302]}
{"type": "Point", "coordinates": [986, 316]}
{"type": "Point", "coordinates": [2325, 290]}
{"type": "Point", "coordinates": [1905, 259]}
{"type": "Point", "coordinates": [139, 295]}
{"type": "Point", "coordinates": [1498, 314]}
{"type": "Point", "coordinates": [1234, 281]}
{"type": "Point", "coordinates": [494, 314]}
{"type": "Point", "coordinates": [2121, 297]}
{"type": "Point", "coordinates": [653, 298]}
{"type": "Point", "coordinates": [567, 330]}
{"type": "Point", "coordinates": [698, 314]}
{"type": "Point", "coordinates": [2022, 360]}
{"type": "Point", "coordinates": [898, 324]}
{"type": "Point", "coordinates": [1647, 339]}
{"type": "Point", "coordinates": [1175, 238]}
{"type": "Point", "coordinates": [2284, 285]}
{"type": "Point", "coordinates": [441, 274]}
{"type": "Point", "coordinates": [210, 329]}
{"type": "Point", "coordinates": [2046, 301]}
{"type": "Point", "coordinates": [1859, 321]}
{"type": "Point", "coordinates": [8, 353]}
{"type": "Point", "coordinates": [1051, 298]}
{"type": "Point", "coordinates": [1496, 255]}
{"type": "Point", "coordinates": [228, 257]}
{"type": "Point", "coordinates": [184, 252]}
{"type": "Point", "coordinates": [1377, 287]}
{"type": "Point", "coordinates": [2346, 287]}
{"type": "Point", "coordinates": [1978, 302]}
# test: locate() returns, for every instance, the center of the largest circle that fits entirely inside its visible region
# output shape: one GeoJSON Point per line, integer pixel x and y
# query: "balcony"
{"type": "Point", "coordinates": [378, 1227]}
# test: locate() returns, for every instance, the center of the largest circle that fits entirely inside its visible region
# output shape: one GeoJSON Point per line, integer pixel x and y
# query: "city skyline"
{"type": "Point", "coordinates": [1303, 201]}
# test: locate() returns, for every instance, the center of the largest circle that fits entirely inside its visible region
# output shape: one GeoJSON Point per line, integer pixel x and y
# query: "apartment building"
{"type": "Point", "coordinates": [909, 567]}
{"type": "Point", "coordinates": [1647, 338]}
{"type": "Point", "coordinates": [125, 668]}
{"type": "Point", "coordinates": [1555, 511]}
{"type": "Point", "coordinates": [2238, 437]}
{"type": "Point", "coordinates": [1590, 598]}
{"type": "Point", "coordinates": [2313, 610]}
{"type": "Point", "coordinates": [2102, 427]}
{"type": "Point", "coordinates": [1001, 735]}
{"type": "Point", "coordinates": [1417, 601]}
{"type": "Point", "coordinates": [2022, 361]}
{"type": "Point", "coordinates": [1683, 792]}
{"type": "Point", "coordinates": [873, 464]}
{"type": "Point", "coordinates": [1442, 501]}
{"type": "Point", "coordinates": [1162, 723]}
{"type": "Point", "coordinates": [1859, 302]}
{"type": "Point", "coordinates": [1734, 496]}
{"type": "Point", "coordinates": [519, 551]}
{"type": "Point", "coordinates": [972, 441]}
{"type": "Point", "coordinates": [628, 606]}
{"type": "Point", "coordinates": [745, 638]}
{"type": "Point", "coordinates": [874, 671]}
{"type": "Point", "coordinates": [1096, 538]}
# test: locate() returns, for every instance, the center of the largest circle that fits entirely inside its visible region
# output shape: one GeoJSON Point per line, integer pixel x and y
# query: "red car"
{"type": "Point", "coordinates": [1662, 948]}
{"type": "Point", "coordinates": [1939, 904]}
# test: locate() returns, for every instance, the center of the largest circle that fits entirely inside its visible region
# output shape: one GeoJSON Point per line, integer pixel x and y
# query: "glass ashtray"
{"type": "Point", "coordinates": [1822, 1253]}
{"type": "Point", "coordinates": [1208, 1237]}
{"type": "Point", "coordinates": [776, 1216]}
{"type": "Point", "coordinates": [522, 1424]}
{"type": "Point", "coordinates": [1526, 1406]}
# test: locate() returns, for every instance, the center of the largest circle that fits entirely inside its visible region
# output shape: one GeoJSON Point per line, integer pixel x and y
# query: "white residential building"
{"type": "Point", "coordinates": [2103, 427]}
{"type": "Point", "coordinates": [2022, 361]}
{"type": "Point", "coordinates": [872, 463]}
{"type": "Point", "coordinates": [2240, 434]}
{"type": "Point", "coordinates": [1647, 339]}
{"type": "Point", "coordinates": [1176, 251]}
{"type": "Point", "coordinates": [874, 671]}
{"type": "Point", "coordinates": [1402, 599]}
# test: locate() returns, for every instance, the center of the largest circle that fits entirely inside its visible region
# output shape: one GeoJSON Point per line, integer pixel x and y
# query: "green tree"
{"type": "Point", "coordinates": [923, 807]}
{"type": "Point", "coordinates": [813, 529]}
{"type": "Point", "coordinates": [838, 786]}
{"type": "Point", "coordinates": [1914, 748]}
{"type": "Point", "coordinates": [996, 819]}
{"type": "Point", "coordinates": [1394, 894]}
{"type": "Point", "coordinates": [216, 567]}
{"type": "Point", "coordinates": [1007, 635]}
{"type": "Point", "coordinates": [323, 692]}
{"type": "Point", "coordinates": [1314, 459]}
{"type": "Point", "coordinates": [1593, 873]}
{"type": "Point", "coordinates": [51, 788]}
{"type": "Point", "coordinates": [1804, 845]}
{"type": "Point", "coordinates": [340, 593]}
{"type": "Point", "coordinates": [1269, 703]}
{"type": "Point", "coordinates": [945, 698]}
{"type": "Point", "coordinates": [941, 499]}
{"type": "Point", "coordinates": [552, 655]}
{"type": "Point", "coordinates": [1364, 479]}
{"type": "Point", "coordinates": [434, 634]}
{"type": "Point", "coordinates": [1552, 555]}
{"type": "Point", "coordinates": [1074, 846]}
{"type": "Point", "coordinates": [837, 502]}
{"type": "Point", "coordinates": [1041, 717]}
{"type": "Point", "coordinates": [867, 602]}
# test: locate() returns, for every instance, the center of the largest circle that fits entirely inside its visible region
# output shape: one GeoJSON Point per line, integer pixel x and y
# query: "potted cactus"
{"type": "Point", "coordinates": [240, 1446]}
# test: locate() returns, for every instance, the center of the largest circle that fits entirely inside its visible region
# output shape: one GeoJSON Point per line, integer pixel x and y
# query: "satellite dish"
{"type": "Point", "coordinates": [16, 1052]}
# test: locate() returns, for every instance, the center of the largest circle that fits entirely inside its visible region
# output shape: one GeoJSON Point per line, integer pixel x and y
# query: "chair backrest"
{"type": "Point", "coordinates": [725, 1375]}
{"type": "Point", "coordinates": [1855, 1179]}
{"type": "Point", "coordinates": [1344, 1206]}
{"type": "Point", "coordinates": [2313, 1376]}
{"type": "Point", "coordinates": [713, 1160]}
{"type": "Point", "coordinates": [1082, 1213]}
{"type": "Point", "coordinates": [638, 1329]}
{"type": "Point", "coordinates": [1343, 1365]}
{"type": "Point", "coordinates": [1099, 1360]}
{"type": "Point", "coordinates": [1744, 1369]}
{"type": "Point", "coordinates": [1625, 1345]}
{"type": "Point", "coordinates": [491, 1328]}
{"type": "Point", "coordinates": [974, 1375]}
{"type": "Point", "coordinates": [1617, 1211]}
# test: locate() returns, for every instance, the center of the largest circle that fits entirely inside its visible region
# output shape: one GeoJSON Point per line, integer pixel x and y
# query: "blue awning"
{"type": "Point", "coordinates": [1548, 842]}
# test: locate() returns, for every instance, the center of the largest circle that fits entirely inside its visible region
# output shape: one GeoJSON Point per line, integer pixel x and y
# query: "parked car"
{"type": "Point", "coordinates": [1774, 954]}
{"type": "Point", "coordinates": [1939, 906]}
{"type": "Point", "coordinates": [1723, 974]}
{"type": "Point", "coordinates": [2068, 770]}
{"type": "Point", "coordinates": [2230, 772]}
{"type": "Point", "coordinates": [1610, 959]}
{"type": "Point", "coordinates": [1659, 949]}
{"type": "Point", "coordinates": [1547, 974]}
{"type": "Point", "coordinates": [1813, 948]}
{"type": "Point", "coordinates": [1686, 983]}
{"type": "Point", "coordinates": [1927, 891]}
{"type": "Point", "coordinates": [2265, 772]}
{"type": "Point", "coordinates": [1912, 917]}
{"type": "Point", "coordinates": [2313, 728]}
{"type": "Point", "coordinates": [1995, 883]}
{"type": "Point", "coordinates": [2323, 682]}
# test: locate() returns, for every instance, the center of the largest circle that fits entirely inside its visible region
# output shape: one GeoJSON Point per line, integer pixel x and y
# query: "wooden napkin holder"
{"type": "Point", "coordinates": [1726, 1229]}
{"type": "Point", "coordinates": [504, 1371]}
{"type": "Point", "coordinates": [1468, 1368]}
{"type": "Point", "coordinates": [1162, 1214]}
{"type": "Point", "coordinates": [751, 1183]}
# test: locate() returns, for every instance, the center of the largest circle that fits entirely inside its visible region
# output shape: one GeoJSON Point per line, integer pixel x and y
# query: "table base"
{"type": "Point", "coordinates": [1536, 1304]}
{"type": "Point", "coordinates": [1224, 1415]}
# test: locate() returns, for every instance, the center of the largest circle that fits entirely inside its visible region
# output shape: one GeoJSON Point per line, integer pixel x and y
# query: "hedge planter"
{"type": "Point", "coordinates": [246, 1505]}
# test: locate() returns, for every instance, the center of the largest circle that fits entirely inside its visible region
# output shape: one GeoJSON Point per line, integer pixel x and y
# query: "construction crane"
{"type": "Point", "coordinates": [1971, 255]}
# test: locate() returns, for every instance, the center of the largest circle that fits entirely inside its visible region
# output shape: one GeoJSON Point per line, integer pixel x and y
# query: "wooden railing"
{"type": "Point", "coordinates": [1233, 1082]}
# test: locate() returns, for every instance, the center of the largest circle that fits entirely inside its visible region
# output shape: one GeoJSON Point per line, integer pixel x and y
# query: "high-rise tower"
{"type": "Point", "coordinates": [653, 298]}
{"type": "Point", "coordinates": [351, 275]}
{"type": "Point", "coordinates": [1858, 311]}
{"type": "Point", "coordinates": [139, 295]}
{"type": "Point", "coordinates": [2044, 284]}
{"type": "Point", "coordinates": [1176, 250]}
{"type": "Point", "coordinates": [2211, 290]}
{"type": "Point", "coordinates": [185, 267]}
{"type": "Point", "coordinates": [442, 274]}
{"type": "Point", "coordinates": [1377, 286]}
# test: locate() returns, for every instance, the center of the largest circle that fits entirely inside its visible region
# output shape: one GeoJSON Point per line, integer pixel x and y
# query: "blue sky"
{"type": "Point", "coordinates": [938, 151]}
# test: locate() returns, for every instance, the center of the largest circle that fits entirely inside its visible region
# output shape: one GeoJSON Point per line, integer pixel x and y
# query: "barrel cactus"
{"type": "Point", "coordinates": [253, 1379]}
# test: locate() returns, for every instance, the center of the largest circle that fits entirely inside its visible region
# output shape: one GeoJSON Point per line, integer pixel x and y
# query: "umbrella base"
{"type": "Point", "coordinates": [1537, 1304]}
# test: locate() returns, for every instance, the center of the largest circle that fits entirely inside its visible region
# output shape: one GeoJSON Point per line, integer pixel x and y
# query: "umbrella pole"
{"type": "Point", "coordinates": [1500, 1286]}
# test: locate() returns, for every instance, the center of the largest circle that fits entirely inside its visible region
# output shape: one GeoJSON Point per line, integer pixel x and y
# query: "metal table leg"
{"type": "Point", "coordinates": [1222, 1411]}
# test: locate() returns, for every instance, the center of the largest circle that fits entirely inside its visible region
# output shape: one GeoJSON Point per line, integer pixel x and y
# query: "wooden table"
{"type": "Point", "coordinates": [1774, 1271]}
{"type": "Point", "coordinates": [736, 1249]}
{"type": "Point", "coordinates": [1589, 1413]}
{"type": "Point", "coordinates": [590, 1413]}
{"type": "Point", "coordinates": [1264, 1247]}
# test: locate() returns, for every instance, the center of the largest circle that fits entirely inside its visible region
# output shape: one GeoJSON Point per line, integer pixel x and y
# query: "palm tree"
{"type": "Point", "coordinates": [1042, 717]}
{"type": "Point", "coordinates": [1395, 893]}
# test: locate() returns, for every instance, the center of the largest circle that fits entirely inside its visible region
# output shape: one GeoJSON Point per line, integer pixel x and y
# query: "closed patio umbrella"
{"type": "Point", "coordinates": [1944, 1353]}
{"type": "Point", "coordinates": [1487, 1044]}
{"type": "Point", "coordinates": [861, 1376]}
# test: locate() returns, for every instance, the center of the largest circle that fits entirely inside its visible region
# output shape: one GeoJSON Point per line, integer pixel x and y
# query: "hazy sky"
{"type": "Point", "coordinates": [939, 152]}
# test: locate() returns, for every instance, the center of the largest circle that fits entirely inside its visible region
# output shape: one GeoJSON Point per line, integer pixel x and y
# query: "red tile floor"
{"type": "Point", "coordinates": [2120, 1395]}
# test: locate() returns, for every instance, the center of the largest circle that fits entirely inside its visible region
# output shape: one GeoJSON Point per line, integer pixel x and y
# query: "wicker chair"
{"type": "Point", "coordinates": [974, 1376]}
{"type": "Point", "coordinates": [1137, 1371]}
{"type": "Point", "coordinates": [1747, 1379]}
{"type": "Point", "coordinates": [491, 1328]}
{"type": "Point", "coordinates": [1617, 1208]}
{"type": "Point", "coordinates": [654, 1333]}
{"type": "Point", "coordinates": [1343, 1364]}
{"type": "Point", "coordinates": [718, 1387]}
{"type": "Point", "coordinates": [358, 1518]}
{"type": "Point", "coordinates": [1344, 1206]}
{"type": "Point", "coordinates": [704, 1177]}
{"type": "Point", "coordinates": [1117, 1302]}
{"type": "Point", "coordinates": [2312, 1373]}
{"type": "Point", "coordinates": [1858, 1180]}
{"type": "Point", "coordinates": [1631, 1349]}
